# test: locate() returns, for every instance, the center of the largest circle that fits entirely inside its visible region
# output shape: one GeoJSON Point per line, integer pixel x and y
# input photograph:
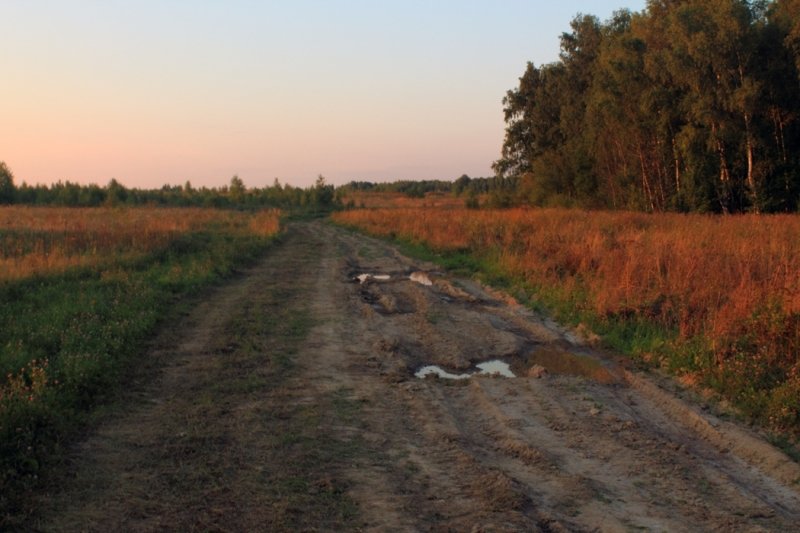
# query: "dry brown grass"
{"type": "Point", "coordinates": [46, 240]}
{"type": "Point", "coordinates": [373, 200]}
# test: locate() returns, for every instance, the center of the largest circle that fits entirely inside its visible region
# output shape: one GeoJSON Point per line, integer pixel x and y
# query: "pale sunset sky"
{"type": "Point", "coordinates": [155, 92]}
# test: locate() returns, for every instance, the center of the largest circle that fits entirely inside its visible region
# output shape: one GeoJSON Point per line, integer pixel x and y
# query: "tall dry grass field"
{"type": "Point", "coordinates": [728, 288]}
{"type": "Point", "coordinates": [372, 200]}
{"type": "Point", "coordinates": [47, 240]}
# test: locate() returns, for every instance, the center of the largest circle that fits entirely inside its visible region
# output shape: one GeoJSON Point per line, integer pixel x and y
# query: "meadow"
{"type": "Point", "coordinates": [714, 300]}
{"type": "Point", "coordinates": [82, 289]}
{"type": "Point", "coordinates": [42, 241]}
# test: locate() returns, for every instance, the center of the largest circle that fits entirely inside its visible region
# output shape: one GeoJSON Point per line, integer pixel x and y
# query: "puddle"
{"type": "Point", "coordinates": [496, 367]}
{"type": "Point", "coordinates": [489, 368]}
{"type": "Point", "coordinates": [363, 278]}
{"type": "Point", "coordinates": [433, 369]}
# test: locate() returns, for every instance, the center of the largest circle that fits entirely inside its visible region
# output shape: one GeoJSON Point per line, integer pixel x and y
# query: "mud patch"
{"type": "Point", "coordinates": [559, 361]}
{"type": "Point", "coordinates": [385, 303]}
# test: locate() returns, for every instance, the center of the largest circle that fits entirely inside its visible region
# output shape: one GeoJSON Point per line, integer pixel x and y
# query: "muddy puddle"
{"type": "Point", "coordinates": [559, 361]}
{"type": "Point", "coordinates": [496, 367]}
{"type": "Point", "coordinates": [418, 277]}
{"type": "Point", "coordinates": [488, 368]}
{"type": "Point", "coordinates": [434, 370]}
{"type": "Point", "coordinates": [363, 278]}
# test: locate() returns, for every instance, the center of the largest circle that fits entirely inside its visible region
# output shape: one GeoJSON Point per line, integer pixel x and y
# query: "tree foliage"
{"type": "Point", "coordinates": [236, 195]}
{"type": "Point", "coordinates": [6, 184]}
{"type": "Point", "coordinates": [689, 105]}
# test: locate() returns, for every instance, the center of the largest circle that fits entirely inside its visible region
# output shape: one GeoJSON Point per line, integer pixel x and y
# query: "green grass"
{"type": "Point", "coordinates": [67, 341]}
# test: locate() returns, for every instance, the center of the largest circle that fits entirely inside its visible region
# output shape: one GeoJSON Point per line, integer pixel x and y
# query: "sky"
{"type": "Point", "coordinates": [154, 92]}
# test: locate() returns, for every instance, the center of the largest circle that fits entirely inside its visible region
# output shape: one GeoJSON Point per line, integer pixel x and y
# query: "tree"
{"type": "Point", "coordinates": [115, 193]}
{"type": "Point", "coordinates": [623, 134]}
{"type": "Point", "coordinates": [521, 145]}
{"type": "Point", "coordinates": [237, 190]}
{"type": "Point", "coordinates": [777, 124]}
{"type": "Point", "coordinates": [7, 188]}
{"type": "Point", "coordinates": [461, 184]}
{"type": "Point", "coordinates": [322, 194]}
{"type": "Point", "coordinates": [545, 118]}
{"type": "Point", "coordinates": [714, 44]}
{"type": "Point", "coordinates": [784, 13]}
{"type": "Point", "coordinates": [684, 106]}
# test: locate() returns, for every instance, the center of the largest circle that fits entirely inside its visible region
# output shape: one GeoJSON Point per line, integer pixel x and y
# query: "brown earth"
{"type": "Point", "coordinates": [287, 401]}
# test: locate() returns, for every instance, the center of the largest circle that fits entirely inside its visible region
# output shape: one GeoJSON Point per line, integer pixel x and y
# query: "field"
{"type": "Point", "coordinates": [714, 299]}
{"type": "Point", "coordinates": [147, 393]}
{"type": "Point", "coordinates": [372, 200]}
{"type": "Point", "coordinates": [37, 241]}
{"type": "Point", "coordinates": [81, 290]}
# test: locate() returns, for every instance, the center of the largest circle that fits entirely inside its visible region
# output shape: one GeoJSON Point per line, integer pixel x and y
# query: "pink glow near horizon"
{"type": "Point", "coordinates": [152, 92]}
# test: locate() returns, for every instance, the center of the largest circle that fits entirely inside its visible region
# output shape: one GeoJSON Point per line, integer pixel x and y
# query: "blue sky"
{"type": "Point", "coordinates": [155, 92]}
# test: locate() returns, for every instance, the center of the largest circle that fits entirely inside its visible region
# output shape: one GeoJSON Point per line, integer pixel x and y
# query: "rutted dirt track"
{"type": "Point", "coordinates": [288, 401]}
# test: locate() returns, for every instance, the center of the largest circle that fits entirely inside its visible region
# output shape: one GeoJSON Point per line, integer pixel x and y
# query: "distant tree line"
{"type": "Point", "coordinates": [496, 191]}
{"type": "Point", "coordinates": [689, 105]}
{"type": "Point", "coordinates": [413, 189]}
{"type": "Point", "coordinates": [235, 195]}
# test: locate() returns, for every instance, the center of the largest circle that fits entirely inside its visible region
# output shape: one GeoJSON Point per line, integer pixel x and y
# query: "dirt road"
{"type": "Point", "coordinates": [288, 401]}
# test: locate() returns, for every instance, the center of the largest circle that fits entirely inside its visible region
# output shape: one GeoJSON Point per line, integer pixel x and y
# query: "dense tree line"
{"type": "Point", "coordinates": [236, 195]}
{"type": "Point", "coordinates": [496, 191]}
{"type": "Point", "coordinates": [689, 105]}
{"type": "Point", "coordinates": [413, 189]}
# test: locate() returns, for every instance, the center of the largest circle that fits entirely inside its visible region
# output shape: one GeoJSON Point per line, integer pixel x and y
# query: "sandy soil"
{"type": "Point", "coordinates": [287, 401]}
